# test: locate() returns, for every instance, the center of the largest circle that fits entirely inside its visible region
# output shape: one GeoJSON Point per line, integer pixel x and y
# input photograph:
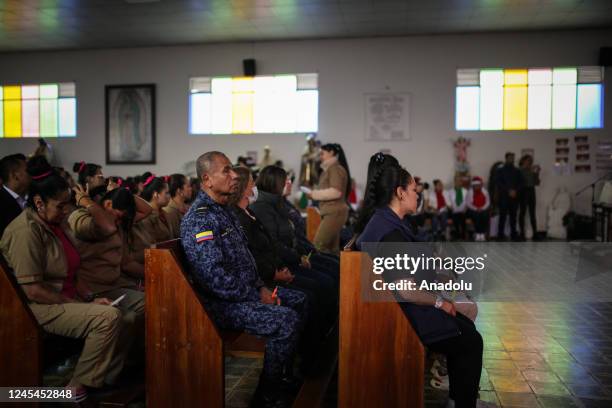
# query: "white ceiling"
{"type": "Point", "coordinates": [79, 24]}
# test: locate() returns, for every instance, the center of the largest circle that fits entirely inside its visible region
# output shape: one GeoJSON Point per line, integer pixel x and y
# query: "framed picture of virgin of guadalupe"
{"type": "Point", "coordinates": [130, 124]}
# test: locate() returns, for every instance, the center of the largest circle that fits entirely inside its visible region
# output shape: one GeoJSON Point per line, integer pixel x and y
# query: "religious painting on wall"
{"type": "Point", "coordinates": [130, 124]}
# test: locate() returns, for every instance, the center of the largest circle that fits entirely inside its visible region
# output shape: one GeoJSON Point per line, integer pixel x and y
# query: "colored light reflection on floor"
{"type": "Point", "coordinates": [549, 355]}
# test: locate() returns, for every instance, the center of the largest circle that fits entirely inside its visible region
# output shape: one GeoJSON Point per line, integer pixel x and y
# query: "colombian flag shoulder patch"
{"type": "Point", "coordinates": [204, 236]}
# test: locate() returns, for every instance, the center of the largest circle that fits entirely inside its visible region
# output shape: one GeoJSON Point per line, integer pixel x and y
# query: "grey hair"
{"type": "Point", "coordinates": [205, 162]}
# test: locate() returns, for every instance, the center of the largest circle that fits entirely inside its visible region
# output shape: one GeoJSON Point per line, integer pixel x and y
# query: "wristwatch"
{"type": "Point", "coordinates": [439, 302]}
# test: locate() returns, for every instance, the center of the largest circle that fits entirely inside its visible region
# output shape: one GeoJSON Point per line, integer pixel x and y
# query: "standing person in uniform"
{"type": "Point", "coordinates": [236, 298]}
{"type": "Point", "coordinates": [180, 192]}
{"type": "Point", "coordinates": [509, 181]}
{"type": "Point", "coordinates": [332, 192]}
{"type": "Point", "coordinates": [45, 263]}
{"type": "Point", "coordinates": [13, 191]}
{"type": "Point", "coordinates": [527, 194]}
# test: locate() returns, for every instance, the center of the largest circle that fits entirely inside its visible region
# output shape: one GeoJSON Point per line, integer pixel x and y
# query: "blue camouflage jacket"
{"type": "Point", "coordinates": [217, 250]}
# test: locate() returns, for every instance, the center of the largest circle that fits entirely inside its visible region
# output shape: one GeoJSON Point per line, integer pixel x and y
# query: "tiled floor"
{"type": "Point", "coordinates": [549, 355]}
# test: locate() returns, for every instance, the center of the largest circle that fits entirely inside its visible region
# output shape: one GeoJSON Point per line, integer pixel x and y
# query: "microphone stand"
{"type": "Point", "coordinates": [592, 187]}
{"type": "Point", "coordinates": [593, 211]}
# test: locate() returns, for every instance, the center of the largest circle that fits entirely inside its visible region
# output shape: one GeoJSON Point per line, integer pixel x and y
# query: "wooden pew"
{"type": "Point", "coordinates": [382, 360]}
{"type": "Point", "coordinates": [186, 350]}
{"type": "Point", "coordinates": [313, 219]}
{"type": "Point", "coordinates": [21, 362]}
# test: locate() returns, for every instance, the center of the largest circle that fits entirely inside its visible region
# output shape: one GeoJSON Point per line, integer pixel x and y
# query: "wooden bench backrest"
{"type": "Point", "coordinates": [20, 335]}
{"type": "Point", "coordinates": [180, 335]}
{"type": "Point", "coordinates": [313, 219]}
{"type": "Point", "coordinates": [381, 360]}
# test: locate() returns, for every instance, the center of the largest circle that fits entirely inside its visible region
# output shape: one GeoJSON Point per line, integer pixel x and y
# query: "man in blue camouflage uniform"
{"type": "Point", "coordinates": [237, 299]}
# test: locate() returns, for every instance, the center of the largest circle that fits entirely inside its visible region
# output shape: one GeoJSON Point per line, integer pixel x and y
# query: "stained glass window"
{"type": "Point", "coordinates": [38, 110]}
{"type": "Point", "coordinates": [537, 98]}
{"type": "Point", "coordinates": [261, 104]}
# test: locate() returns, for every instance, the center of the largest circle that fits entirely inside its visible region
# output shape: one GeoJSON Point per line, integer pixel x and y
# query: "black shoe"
{"type": "Point", "coordinates": [291, 384]}
{"type": "Point", "coordinates": [272, 393]}
{"type": "Point", "coordinates": [261, 400]}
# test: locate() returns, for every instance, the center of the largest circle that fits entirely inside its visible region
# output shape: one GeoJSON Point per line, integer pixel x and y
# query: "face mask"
{"type": "Point", "coordinates": [253, 198]}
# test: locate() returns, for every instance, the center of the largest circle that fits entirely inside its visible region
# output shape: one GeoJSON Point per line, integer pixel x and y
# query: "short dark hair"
{"type": "Point", "coordinates": [176, 183]}
{"type": "Point", "coordinates": [204, 162]}
{"type": "Point", "coordinates": [272, 180]}
{"type": "Point", "coordinates": [508, 154]}
{"type": "Point", "coordinates": [9, 164]}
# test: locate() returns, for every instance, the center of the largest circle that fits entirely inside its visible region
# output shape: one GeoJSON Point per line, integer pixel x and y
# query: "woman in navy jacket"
{"type": "Point", "coordinates": [390, 196]}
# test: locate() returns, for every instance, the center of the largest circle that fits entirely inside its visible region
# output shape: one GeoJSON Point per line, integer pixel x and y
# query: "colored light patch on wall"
{"type": "Point", "coordinates": [67, 117]}
{"type": "Point", "coordinates": [467, 108]}
{"type": "Point", "coordinates": [535, 98]}
{"type": "Point", "coordinates": [262, 104]}
{"type": "Point", "coordinates": [12, 118]}
{"type": "Point", "coordinates": [564, 107]}
{"type": "Point", "coordinates": [540, 107]}
{"type": "Point", "coordinates": [590, 106]}
{"type": "Point", "coordinates": [491, 99]}
{"type": "Point", "coordinates": [515, 108]}
{"type": "Point", "coordinates": [48, 117]}
{"type": "Point", "coordinates": [38, 110]}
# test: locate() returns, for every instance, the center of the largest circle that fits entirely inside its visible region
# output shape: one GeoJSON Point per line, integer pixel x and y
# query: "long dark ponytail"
{"type": "Point", "coordinates": [337, 150]}
{"type": "Point", "coordinates": [123, 200]}
{"type": "Point", "coordinates": [385, 175]}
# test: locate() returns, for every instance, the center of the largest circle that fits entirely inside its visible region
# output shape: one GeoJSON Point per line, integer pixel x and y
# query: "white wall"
{"type": "Point", "coordinates": [425, 66]}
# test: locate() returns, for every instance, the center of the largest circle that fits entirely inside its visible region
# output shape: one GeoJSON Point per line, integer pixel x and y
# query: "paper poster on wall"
{"type": "Point", "coordinates": [603, 156]}
{"type": "Point", "coordinates": [387, 116]}
{"type": "Point", "coordinates": [583, 154]}
{"type": "Point", "coordinates": [562, 166]}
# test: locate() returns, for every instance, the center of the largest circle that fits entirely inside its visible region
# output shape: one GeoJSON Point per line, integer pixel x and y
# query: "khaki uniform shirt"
{"type": "Point", "coordinates": [147, 232]}
{"type": "Point", "coordinates": [174, 216]}
{"type": "Point", "coordinates": [335, 176]}
{"type": "Point", "coordinates": [101, 256]}
{"type": "Point", "coordinates": [33, 251]}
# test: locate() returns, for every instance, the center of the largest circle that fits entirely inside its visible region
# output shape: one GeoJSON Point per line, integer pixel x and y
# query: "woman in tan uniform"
{"type": "Point", "coordinates": [45, 263]}
{"type": "Point", "coordinates": [180, 192]}
{"type": "Point", "coordinates": [101, 233]}
{"type": "Point", "coordinates": [153, 228]}
{"type": "Point", "coordinates": [332, 192]}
